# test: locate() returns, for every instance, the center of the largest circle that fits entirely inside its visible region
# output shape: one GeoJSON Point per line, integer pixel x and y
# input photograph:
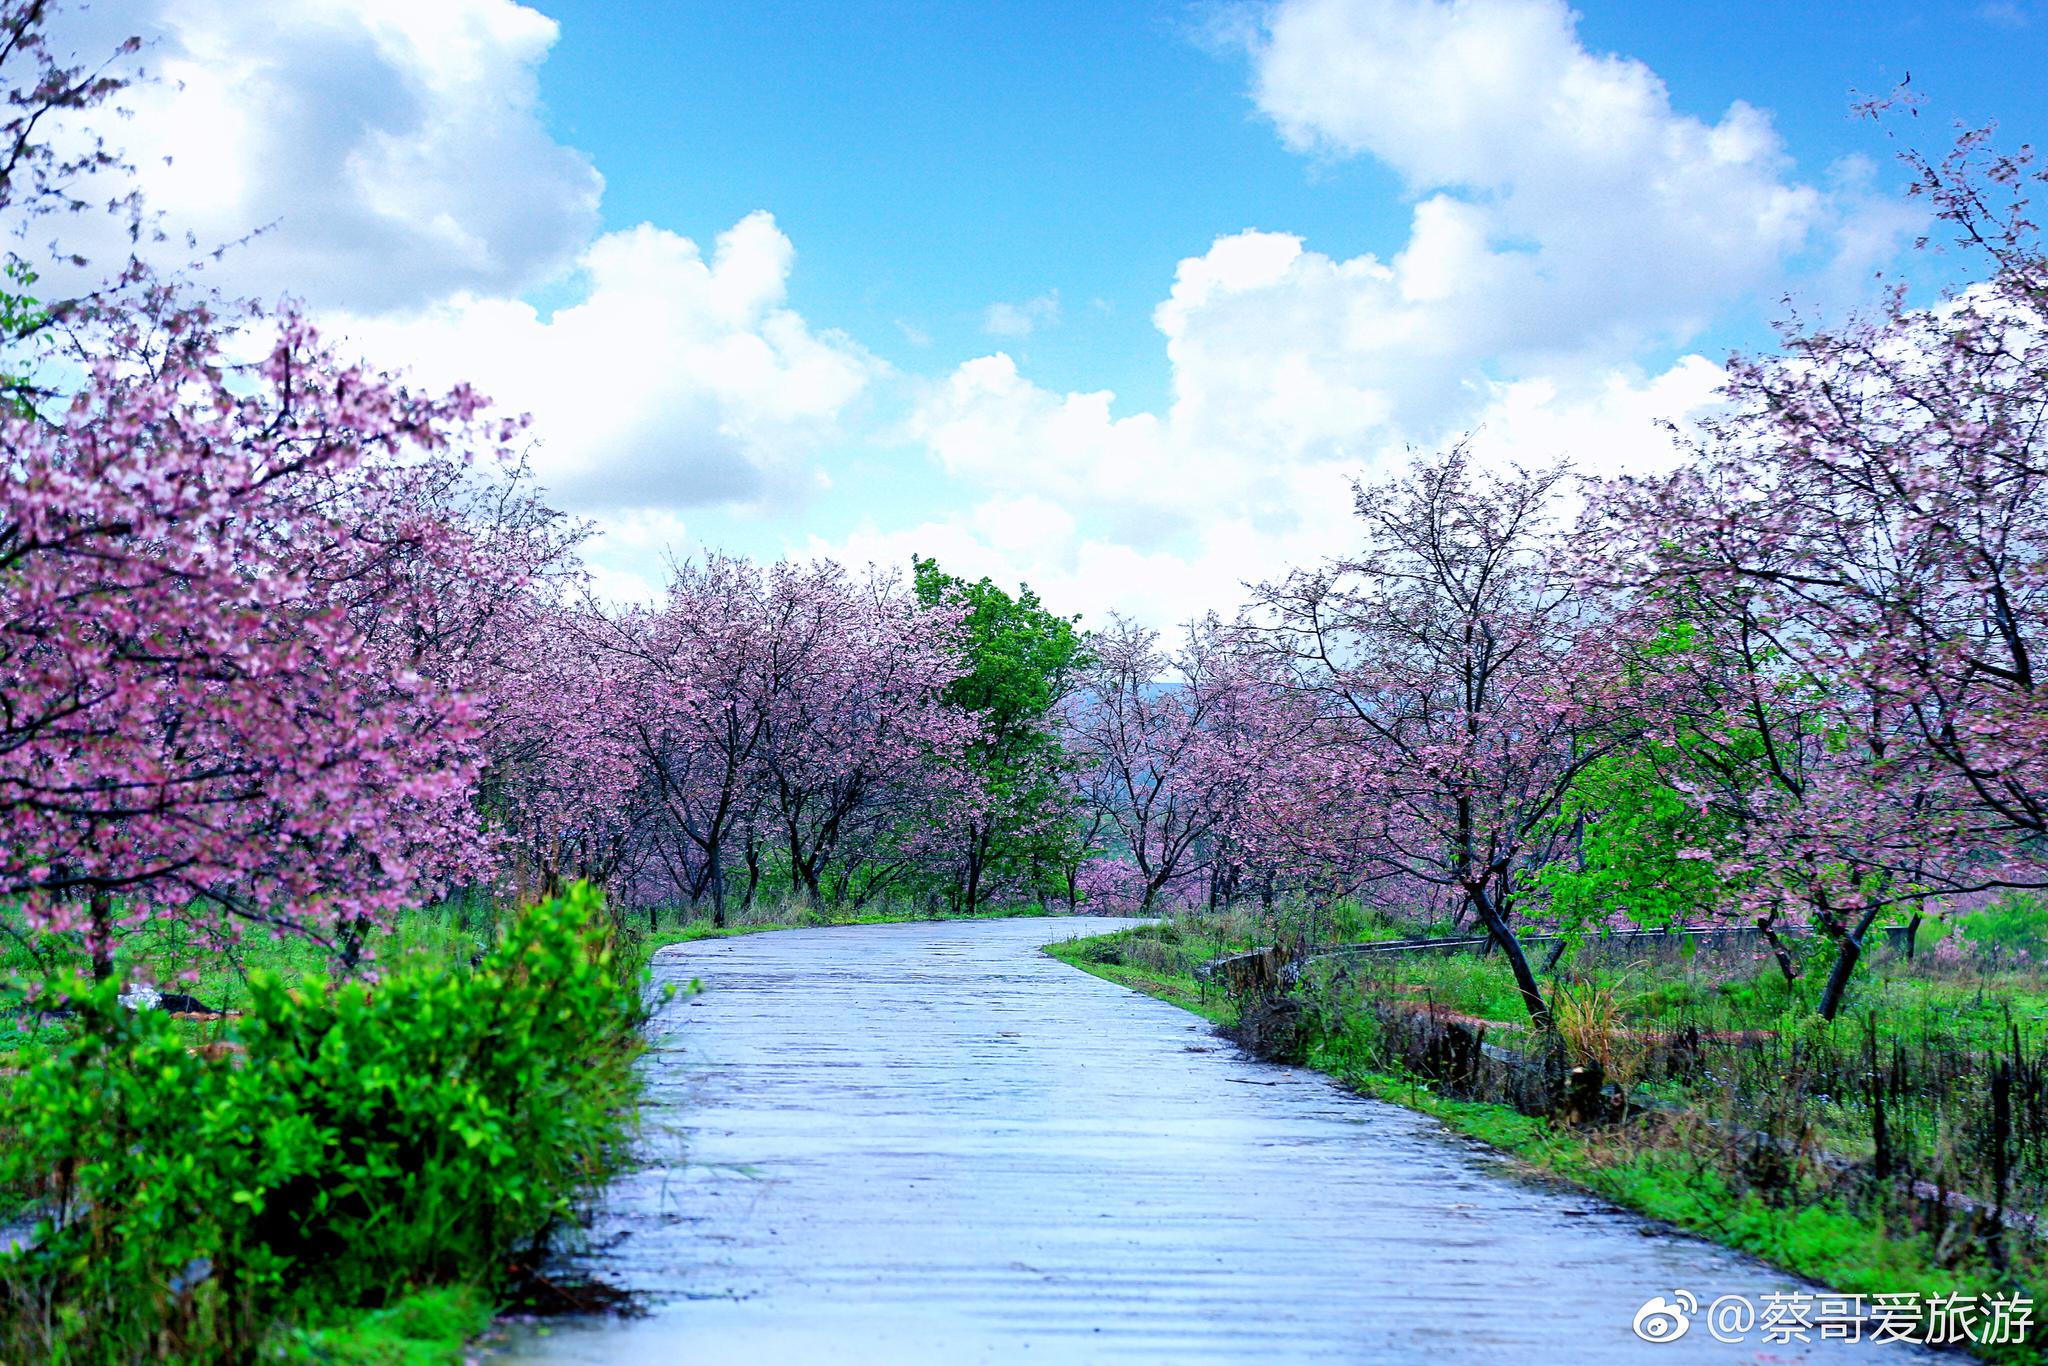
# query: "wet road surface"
{"type": "Point", "coordinates": [930, 1143]}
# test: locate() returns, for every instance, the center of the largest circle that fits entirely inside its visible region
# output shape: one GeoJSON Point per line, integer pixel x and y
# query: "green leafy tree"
{"type": "Point", "coordinates": [1022, 662]}
{"type": "Point", "coordinates": [1656, 833]}
{"type": "Point", "coordinates": [1644, 849]}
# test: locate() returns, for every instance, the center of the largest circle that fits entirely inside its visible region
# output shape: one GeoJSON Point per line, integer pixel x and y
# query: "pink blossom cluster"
{"type": "Point", "coordinates": [236, 631]}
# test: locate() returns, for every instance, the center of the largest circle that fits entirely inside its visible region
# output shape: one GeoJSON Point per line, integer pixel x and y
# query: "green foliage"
{"type": "Point", "coordinates": [1641, 847]}
{"type": "Point", "coordinates": [1346, 920]}
{"type": "Point", "coordinates": [21, 316]}
{"type": "Point", "coordinates": [1022, 660]}
{"type": "Point", "coordinates": [2017, 922]}
{"type": "Point", "coordinates": [354, 1141]}
{"type": "Point", "coordinates": [429, 1328]}
{"type": "Point", "coordinates": [1645, 849]}
{"type": "Point", "coordinates": [1022, 656]}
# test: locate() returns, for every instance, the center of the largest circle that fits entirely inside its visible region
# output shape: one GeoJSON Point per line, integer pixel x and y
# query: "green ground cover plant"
{"type": "Point", "coordinates": [340, 1146]}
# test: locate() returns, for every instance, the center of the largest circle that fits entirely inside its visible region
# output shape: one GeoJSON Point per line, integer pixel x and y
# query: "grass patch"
{"type": "Point", "coordinates": [428, 1328]}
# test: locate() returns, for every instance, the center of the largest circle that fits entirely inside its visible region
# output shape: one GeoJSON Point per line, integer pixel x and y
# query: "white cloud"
{"type": "Point", "coordinates": [416, 194]}
{"type": "Point", "coordinates": [1149, 516]}
{"type": "Point", "coordinates": [676, 381]}
{"type": "Point", "coordinates": [990, 427]}
{"type": "Point", "coordinates": [629, 557]}
{"type": "Point", "coordinates": [1071, 572]}
{"type": "Point", "coordinates": [1612, 424]}
{"type": "Point", "coordinates": [394, 149]}
{"type": "Point", "coordinates": [1283, 360]}
{"type": "Point", "coordinates": [1021, 320]}
{"type": "Point", "coordinates": [1562, 201]}
{"type": "Point", "coordinates": [1571, 232]}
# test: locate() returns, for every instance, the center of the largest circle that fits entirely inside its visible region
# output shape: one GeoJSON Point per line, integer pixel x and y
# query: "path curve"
{"type": "Point", "coordinates": [931, 1143]}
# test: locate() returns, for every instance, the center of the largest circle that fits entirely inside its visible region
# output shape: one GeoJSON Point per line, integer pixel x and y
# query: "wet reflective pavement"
{"type": "Point", "coordinates": [931, 1143]}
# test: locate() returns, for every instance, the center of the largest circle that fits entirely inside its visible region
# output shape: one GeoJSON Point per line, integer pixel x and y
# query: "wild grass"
{"type": "Point", "coordinates": [426, 1328]}
{"type": "Point", "coordinates": [1590, 1021]}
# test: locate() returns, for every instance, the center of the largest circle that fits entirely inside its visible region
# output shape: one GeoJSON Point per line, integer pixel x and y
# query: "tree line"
{"type": "Point", "coordinates": [289, 645]}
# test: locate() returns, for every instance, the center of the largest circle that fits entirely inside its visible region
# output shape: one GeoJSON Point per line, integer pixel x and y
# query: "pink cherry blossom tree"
{"type": "Point", "coordinates": [701, 667]}
{"type": "Point", "coordinates": [194, 716]}
{"type": "Point", "coordinates": [1460, 682]}
{"type": "Point", "coordinates": [1137, 732]}
{"type": "Point", "coordinates": [863, 760]}
{"type": "Point", "coordinates": [564, 790]}
{"type": "Point", "coordinates": [1872, 514]}
{"type": "Point", "coordinates": [791, 718]}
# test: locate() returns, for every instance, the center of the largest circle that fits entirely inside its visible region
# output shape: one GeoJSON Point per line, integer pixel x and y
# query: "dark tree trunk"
{"type": "Point", "coordinates": [753, 872]}
{"type": "Point", "coordinates": [100, 907]}
{"type": "Point", "coordinates": [1846, 958]}
{"type": "Point", "coordinates": [1504, 938]}
{"type": "Point", "coordinates": [977, 857]}
{"type": "Point", "coordinates": [352, 934]}
{"type": "Point", "coordinates": [1783, 955]}
{"type": "Point", "coordinates": [1556, 952]}
{"type": "Point", "coordinates": [717, 891]}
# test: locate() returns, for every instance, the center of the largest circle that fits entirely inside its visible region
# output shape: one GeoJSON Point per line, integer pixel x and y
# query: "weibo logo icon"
{"type": "Point", "coordinates": [1662, 1320]}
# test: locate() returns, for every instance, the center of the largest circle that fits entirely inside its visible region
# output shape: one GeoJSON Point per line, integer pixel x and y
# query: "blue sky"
{"type": "Point", "coordinates": [852, 278]}
{"type": "Point", "coordinates": [933, 158]}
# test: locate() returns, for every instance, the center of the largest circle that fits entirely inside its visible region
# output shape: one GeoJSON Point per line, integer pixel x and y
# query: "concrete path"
{"type": "Point", "coordinates": [930, 1143]}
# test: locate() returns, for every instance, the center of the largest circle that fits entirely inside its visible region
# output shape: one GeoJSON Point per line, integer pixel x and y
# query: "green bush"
{"type": "Point", "coordinates": [2017, 922]}
{"type": "Point", "coordinates": [355, 1142]}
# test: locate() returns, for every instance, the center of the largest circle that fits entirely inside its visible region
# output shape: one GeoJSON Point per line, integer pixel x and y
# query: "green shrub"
{"type": "Point", "coordinates": [1107, 949]}
{"type": "Point", "coordinates": [2016, 922]}
{"type": "Point", "coordinates": [355, 1142]}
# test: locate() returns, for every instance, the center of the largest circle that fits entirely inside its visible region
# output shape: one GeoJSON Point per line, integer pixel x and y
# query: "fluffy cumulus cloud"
{"type": "Point", "coordinates": [1563, 202]}
{"type": "Point", "coordinates": [1142, 515]}
{"type": "Point", "coordinates": [1570, 233]}
{"type": "Point", "coordinates": [1286, 389]}
{"type": "Point", "coordinates": [390, 150]}
{"type": "Point", "coordinates": [395, 157]}
{"type": "Point", "coordinates": [1039, 541]}
{"type": "Point", "coordinates": [677, 380]}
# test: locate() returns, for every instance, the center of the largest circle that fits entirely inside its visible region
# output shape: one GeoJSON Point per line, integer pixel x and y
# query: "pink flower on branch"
{"type": "Point", "coordinates": [223, 618]}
